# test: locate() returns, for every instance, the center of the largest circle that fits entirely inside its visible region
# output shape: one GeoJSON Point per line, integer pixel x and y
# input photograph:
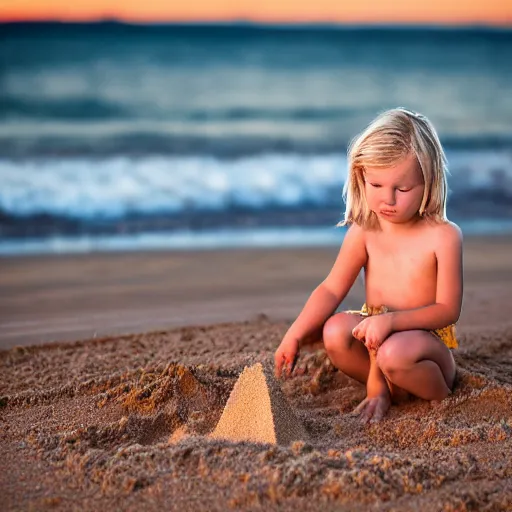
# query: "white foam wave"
{"type": "Point", "coordinates": [116, 187]}
{"type": "Point", "coordinates": [119, 186]}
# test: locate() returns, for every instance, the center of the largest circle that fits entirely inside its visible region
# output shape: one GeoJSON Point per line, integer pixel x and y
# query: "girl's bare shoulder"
{"type": "Point", "coordinates": [355, 238]}
{"type": "Point", "coordinates": [446, 232]}
{"type": "Point", "coordinates": [356, 231]}
{"type": "Point", "coordinates": [443, 236]}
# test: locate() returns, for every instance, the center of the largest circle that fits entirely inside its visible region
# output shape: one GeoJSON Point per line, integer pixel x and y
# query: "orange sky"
{"type": "Point", "coordinates": [360, 11]}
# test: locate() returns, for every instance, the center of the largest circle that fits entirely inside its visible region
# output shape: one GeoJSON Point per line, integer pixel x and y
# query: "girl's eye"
{"type": "Point", "coordinates": [404, 189]}
{"type": "Point", "coordinates": [375, 185]}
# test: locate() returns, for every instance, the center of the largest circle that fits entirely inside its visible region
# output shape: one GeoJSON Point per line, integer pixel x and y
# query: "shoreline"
{"type": "Point", "coordinates": [248, 232]}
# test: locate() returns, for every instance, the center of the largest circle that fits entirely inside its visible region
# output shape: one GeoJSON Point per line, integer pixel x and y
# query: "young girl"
{"type": "Point", "coordinates": [400, 341]}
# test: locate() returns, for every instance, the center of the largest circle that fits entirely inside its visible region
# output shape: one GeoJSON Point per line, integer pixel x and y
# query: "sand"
{"type": "Point", "coordinates": [258, 411]}
{"type": "Point", "coordinates": [123, 422]}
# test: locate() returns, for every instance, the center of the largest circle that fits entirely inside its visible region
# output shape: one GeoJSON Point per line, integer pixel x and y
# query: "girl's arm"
{"type": "Point", "coordinates": [448, 304]}
{"type": "Point", "coordinates": [330, 293]}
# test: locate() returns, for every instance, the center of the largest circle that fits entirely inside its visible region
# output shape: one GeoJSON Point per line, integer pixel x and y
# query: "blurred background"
{"type": "Point", "coordinates": [211, 124]}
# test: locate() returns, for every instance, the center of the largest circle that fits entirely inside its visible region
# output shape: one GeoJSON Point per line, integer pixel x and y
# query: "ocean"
{"type": "Point", "coordinates": [132, 137]}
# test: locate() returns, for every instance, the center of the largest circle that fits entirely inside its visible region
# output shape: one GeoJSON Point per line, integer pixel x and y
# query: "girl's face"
{"type": "Point", "coordinates": [395, 194]}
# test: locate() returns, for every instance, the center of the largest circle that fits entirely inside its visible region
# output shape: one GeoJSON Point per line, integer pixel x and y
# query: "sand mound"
{"type": "Point", "coordinates": [258, 411]}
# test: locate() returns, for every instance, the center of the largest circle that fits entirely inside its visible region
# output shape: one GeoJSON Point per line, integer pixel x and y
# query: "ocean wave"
{"type": "Point", "coordinates": [117, 187]}
{"type": "Point", "coordinates": [113, 141]}
{"type": "Point", "coordinates": [94, 108]}
{"type": "Point", "coordinates": [143, 194]}
{"type": "Point", "coordinates": [84, 108]}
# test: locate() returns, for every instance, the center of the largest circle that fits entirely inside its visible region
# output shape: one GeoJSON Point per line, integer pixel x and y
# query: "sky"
{"type": "Point", "coordinates": [488, 12]}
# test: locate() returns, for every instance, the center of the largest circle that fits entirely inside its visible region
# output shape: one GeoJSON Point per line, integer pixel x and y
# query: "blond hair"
{"type": "Point", "coordinates": [391, 137]}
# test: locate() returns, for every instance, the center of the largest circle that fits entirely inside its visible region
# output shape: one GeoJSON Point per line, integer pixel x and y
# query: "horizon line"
{"type": "Point", "coordinates": [259, 23]}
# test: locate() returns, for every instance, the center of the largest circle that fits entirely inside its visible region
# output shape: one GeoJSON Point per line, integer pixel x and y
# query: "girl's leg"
{"type": "Point", "coordinates": [418, 362]}
{"type": "Point", "coordinates": [350, 356]}
{"type": "Point", "coordinates": [347, 353]}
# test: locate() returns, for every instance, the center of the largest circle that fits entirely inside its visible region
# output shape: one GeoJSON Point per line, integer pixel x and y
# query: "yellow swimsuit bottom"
{"type": "Point", "coordinates": [445, 334]}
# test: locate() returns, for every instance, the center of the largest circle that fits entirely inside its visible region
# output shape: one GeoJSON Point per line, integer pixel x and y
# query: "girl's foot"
{"type": "Point", "coordinates": [373, 409]}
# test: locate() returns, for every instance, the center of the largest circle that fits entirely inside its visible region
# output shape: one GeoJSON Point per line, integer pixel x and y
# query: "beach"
{"type": "Point", "coordinates": [116, 367]}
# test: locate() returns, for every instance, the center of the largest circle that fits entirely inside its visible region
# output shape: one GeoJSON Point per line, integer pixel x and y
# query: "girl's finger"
{"type": "Point", "coordinates": [379, 413]}
{"type": "Point", "coordinates": [367, 414]}
{"type": "Point", "coordinates": [360, 408]}
{"type": "Point", "coordinates": [279, 366]}
{"type": "Point", "coordinates": [294, 362]}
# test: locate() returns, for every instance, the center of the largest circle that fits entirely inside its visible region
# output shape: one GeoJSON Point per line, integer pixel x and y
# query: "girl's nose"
{"type": "Point", "coordinates": [390, 198]}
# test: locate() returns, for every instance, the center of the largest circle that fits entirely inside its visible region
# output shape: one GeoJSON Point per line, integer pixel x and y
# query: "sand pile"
{"type": "Point", "coordinates": [257, 411]}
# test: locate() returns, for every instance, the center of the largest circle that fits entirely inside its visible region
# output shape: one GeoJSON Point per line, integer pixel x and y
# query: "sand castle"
{"type": "Point", "coordinates": [257, 411]}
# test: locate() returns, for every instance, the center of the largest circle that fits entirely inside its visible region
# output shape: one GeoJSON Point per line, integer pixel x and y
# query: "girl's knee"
{"type": "Point", "coordinates": [337, 332]}
{"type": "Point", "coordinates": [392, 355]}
{"type": "Point", "coordinates": [385, 356]}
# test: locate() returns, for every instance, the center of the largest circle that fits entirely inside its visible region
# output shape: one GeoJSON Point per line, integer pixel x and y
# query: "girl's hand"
{"type": "Point", "coordinates": [286, 356]}
{"type": "Point", "coordinates": [372, 331]}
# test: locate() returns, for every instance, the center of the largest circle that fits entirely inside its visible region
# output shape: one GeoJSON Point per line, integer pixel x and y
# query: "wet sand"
{"type": "Point", "coordinates": [121, 421]}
